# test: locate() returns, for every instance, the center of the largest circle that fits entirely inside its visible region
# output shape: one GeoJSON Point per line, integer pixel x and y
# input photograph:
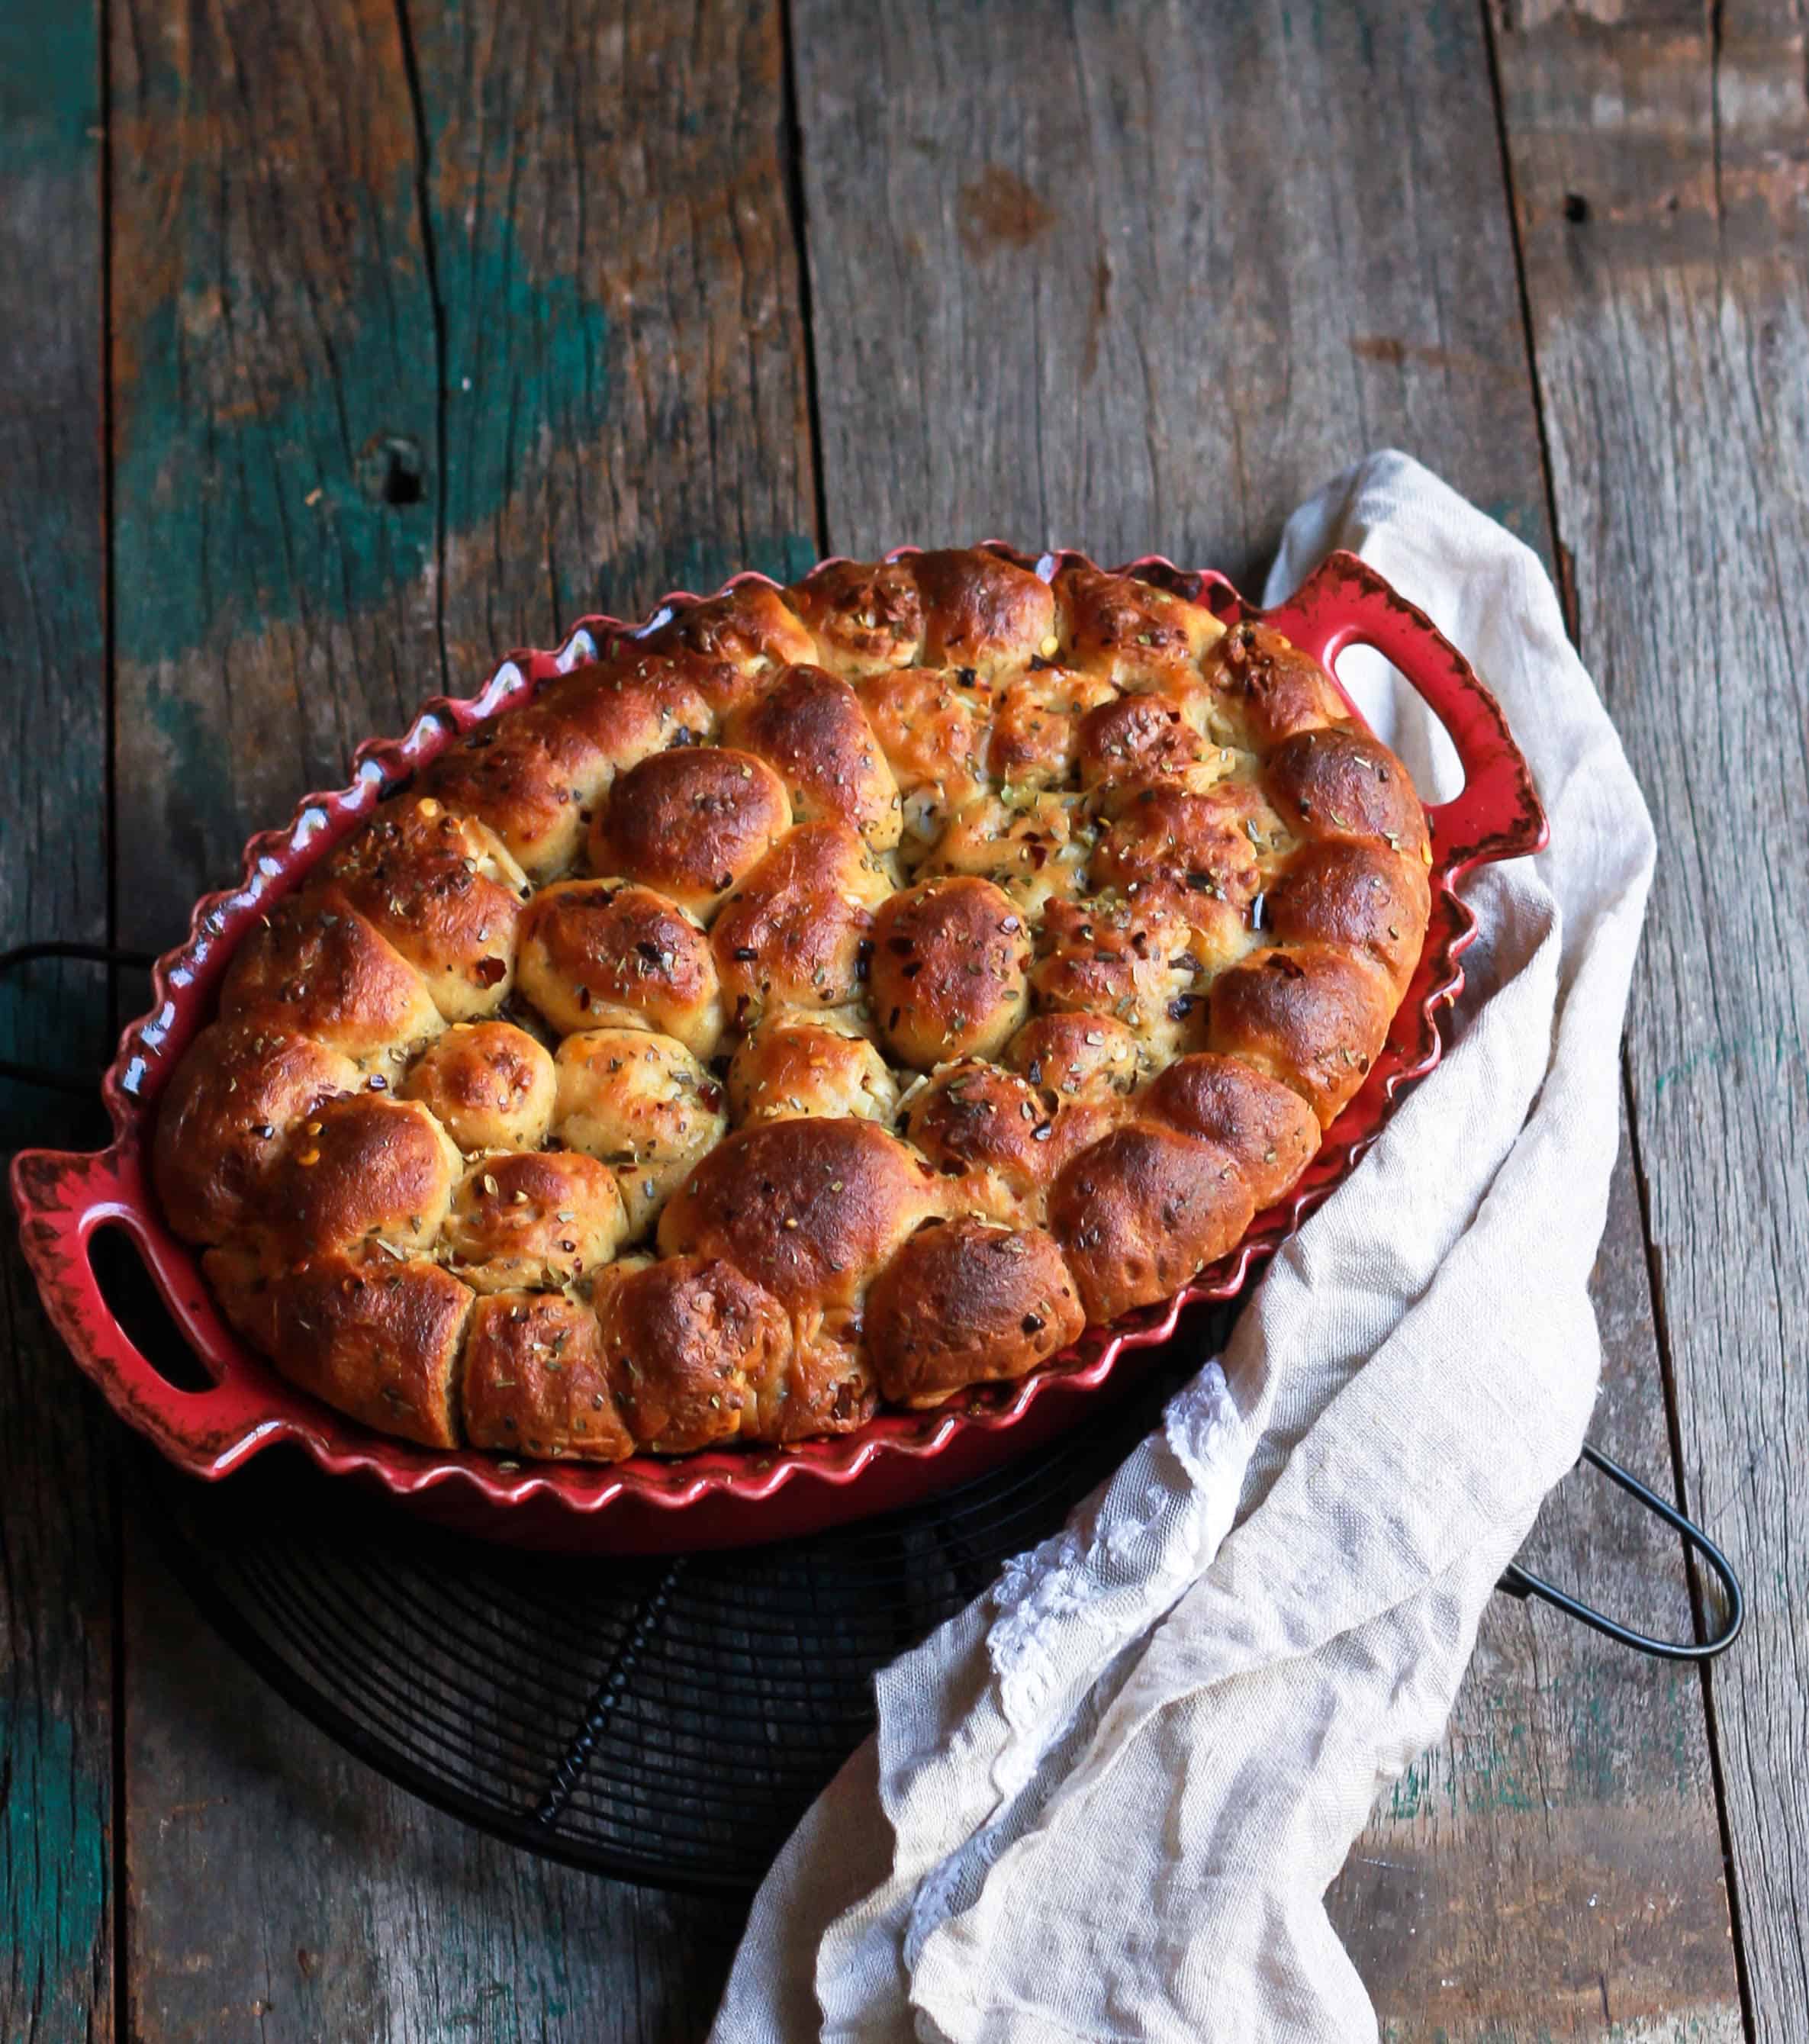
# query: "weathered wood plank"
{"type": "Point", "coordinates": [1132, 278]}
{"type": "Point", "coordinates": [52, 582]}
{"type": "Point", "coordinates": [1659, 158]}
{"type": "Point", "coordinates": [56, 1685]}
{"type": "Point", "coordinates": [1572, 1796]}
{"type": "Point", "coordinates": [280, 1888]}
{"type": "Point", "coordinates": [626, 405]}
{"type": "Point", "coordinates": [1126, 280]}
{"type": "Point", "coordinates": [56, 1521]}
{"type": "Point", "coordinates": [310, 494]}
{"type": "Point", "coordinates": [274, 425]}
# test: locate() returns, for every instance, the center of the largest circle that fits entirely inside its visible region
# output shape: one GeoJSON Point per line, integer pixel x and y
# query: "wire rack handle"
{"type": "Point", "coordinates": [1522, 1583]}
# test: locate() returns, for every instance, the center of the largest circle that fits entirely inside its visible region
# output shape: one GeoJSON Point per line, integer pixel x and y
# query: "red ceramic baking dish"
{"type": "Point", "coordinates": [718, 1497]}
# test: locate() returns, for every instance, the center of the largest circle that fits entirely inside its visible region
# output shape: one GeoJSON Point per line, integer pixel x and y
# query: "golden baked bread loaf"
{"type": "Point", "coordinates": [829, 996]}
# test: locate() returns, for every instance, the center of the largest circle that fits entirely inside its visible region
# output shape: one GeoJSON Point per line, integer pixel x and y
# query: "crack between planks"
{"type": "Point", "coordinates": [1498, 99]}
{"type": "Point", "coordinates": [792, 134]}
{"type": "Point", "coordinates": [119, 1900]}
{"type": "Point", "coordinates": [1654, 1275]}
{"type": "Point", "coordinates": [1714, 29]}
{"type": "Point", "coordinates": [1673, 1425]}
{"type": "Point", "coordinates": [430, 259]}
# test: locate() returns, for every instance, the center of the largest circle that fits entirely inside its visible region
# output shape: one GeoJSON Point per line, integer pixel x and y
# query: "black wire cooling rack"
{"type": "Point", "coordinates": [665, 1721]}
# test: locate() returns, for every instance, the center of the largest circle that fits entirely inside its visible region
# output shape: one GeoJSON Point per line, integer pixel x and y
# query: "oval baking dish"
{"type": "Point", "coordinates": [718, 1496]}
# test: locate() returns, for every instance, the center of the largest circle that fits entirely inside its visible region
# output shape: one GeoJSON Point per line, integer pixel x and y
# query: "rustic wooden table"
{"type": "Point", "coordinates": [346, 344]}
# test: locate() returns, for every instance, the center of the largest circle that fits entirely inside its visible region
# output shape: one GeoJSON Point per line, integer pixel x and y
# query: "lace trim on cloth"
{"type": "Point", "coordinates": [1113, 1572]}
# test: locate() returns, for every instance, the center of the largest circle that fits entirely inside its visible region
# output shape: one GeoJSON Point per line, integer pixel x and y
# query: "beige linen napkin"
{"type": "Point", "coordinates": [1105, 1801]}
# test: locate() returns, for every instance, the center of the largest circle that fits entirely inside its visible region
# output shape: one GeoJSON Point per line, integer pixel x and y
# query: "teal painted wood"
{"type": "Point", "coordinates": [392, 399]}
{"type": "Point", "coordinates": [56, 1524]}
{"type": "Point", "coordinates": [57, 1559]}
{"type": "Point", "coordinates": [324, 222]}
{"type": "Point", "coordinates": [275, 415]}
{"type": "Point", "coordinates": [625, 408]}
{"type": "Point", "coordinates": [52, 644]}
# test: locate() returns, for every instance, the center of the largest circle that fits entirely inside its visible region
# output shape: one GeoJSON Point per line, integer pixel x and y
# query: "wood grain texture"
{"type": "Point", "coordinates": [56, 1520]}
{"type": "Point", "coordinates": [53, 583]}
{"type": "Point", "coordinates": [625, 406]}
{"type": "Point", "coordinates": [1659, 159]}
{"type": "Point", "coordinates": [1134, 279]}
{"type": "Point", "coordinates": [1553, 1869]}
{"type": "Point", "coordinates": [275, 389]}
{"type": "Point", "coordinates": [280, 1889]}
{"type": "Point", "coordinates": [457, 324]}
{"type": "Point", "coordinates": [1162, 282]}
{"type": "Point", "coordinates": [56, 1684]}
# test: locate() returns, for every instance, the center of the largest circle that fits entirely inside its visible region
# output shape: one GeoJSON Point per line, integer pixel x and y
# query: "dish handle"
{"type": "Point", "coordinates": [1497, 813]}
{"type": "Point", "coordinates": [64, 1198]}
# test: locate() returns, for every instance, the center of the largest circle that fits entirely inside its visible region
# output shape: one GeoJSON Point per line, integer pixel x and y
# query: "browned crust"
{"type": "Point", "coordinates": [1138, 737]}
{"type": "Point", "coordinates": [595, 951]}
{"type": "Point", "coordinates": [932, 726]}
{"type": "Point", "coordinates": [795, 933]}
{"type": "Point", "coordinates": [1129, 631]}
{"type": "Point", "coordinates": [1135, 895]}
{"type": "Point", "coordinates": [982, 612]}
{"type": "Point", "coordinates": [1267, 689]}
{"type": "Point", "coordinates": [316, 967]}
{"type": "Point", "coordinates": [1137, 959]}
{"type": "Point", "coordinates": [808, 1209]}
{"type": "Point", "coordinates": [636, 703]}
{"type": "Point", "coordinates": [641, 1105]}
{"type": "Point", "coordinates": [1039, 722]}
{"type": "Point", "coordinates": [1142, 1213]}
{"type": "Point", "coordinates": [792, 1064]}
{"type": "Point", "coordinates": [1077, 1056]}
{"type": "Point", "coordinates": [531, 777]}
{"type": "Point", "coordinates": [949, 959]}
{"type": "Point", "coordinates": [969, 1303]}
{"type": "Point", "coordinates": [360, 1166]}
{"type": "Point", "coordinates": [1271, 1132]}
{"type": "Point", "coordinates": [489, 1084]}
{"type": "Point", "coordinates": [749, 632]}
{"type": "Point", "coordinates": [376, 1339]}
{"type": "Point", "coordinates": [691, 823]}
{"type": "Point", "coordinates": [537, 1382]}
{"type": "Point", "coordinates": [1164, 835]}
{"type": "Point", "coordinates": [1341, 782]}
{"type": "Point", "coordinates": [975, 1117]}
{"type": "Point", "coordinates": [865, 615]}
{"type": "Point", "coordinates": [810, 727]}
{"type": "Point", "coordinates": [444, 890]}
{"type": "Point", "coordinates": [223, 1122]}
{"type": "Point", "coordinates": [692, 1344]}
{"type": "Point", "coordinates": [1312, 1016]}
{"type": "Point", "coordinates": [533, 1218]}
{"type": "Point", "coordinates": [1374, 901]}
